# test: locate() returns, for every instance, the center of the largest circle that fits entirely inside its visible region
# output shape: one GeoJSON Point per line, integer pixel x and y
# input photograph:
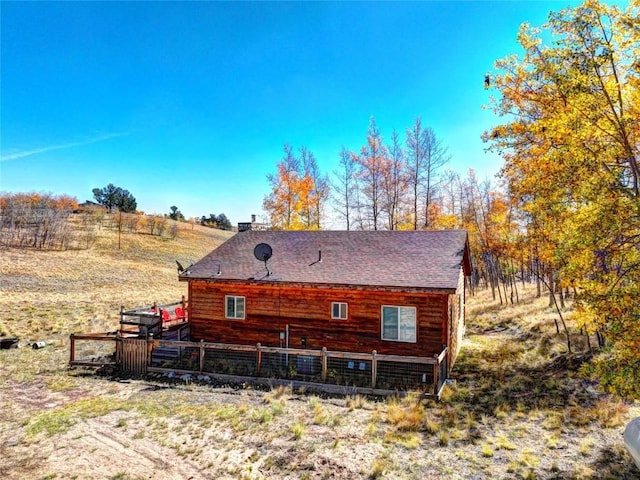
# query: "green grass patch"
{"type": "Point", "coordinates": [298, 429]}
{"type": "Point", "coordinates": [60, 420]}
{"type": "Point", "coordinates": [409, 440]}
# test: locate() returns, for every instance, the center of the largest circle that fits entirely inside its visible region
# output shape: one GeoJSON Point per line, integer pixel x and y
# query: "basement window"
{"type": "Point", "coordinates": [339, 311]}
{"type": "Point", "coordinates": [234, 307]}
{"type": "Point", "coordinates": [399, 323]}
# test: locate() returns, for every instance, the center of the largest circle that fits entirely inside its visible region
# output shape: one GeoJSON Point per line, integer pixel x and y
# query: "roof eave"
{"type": "Point", "coordinates": [337, 286]}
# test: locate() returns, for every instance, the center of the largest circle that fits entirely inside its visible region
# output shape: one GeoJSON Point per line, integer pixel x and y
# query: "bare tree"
{"type": "Point", "coordinates": [36, 221]}
{"type": "Point", "coordinates": [319, 194]}
{"type": "Point", "coordinates": [415, 164]}
{"type": "Point", "coordinates": [426, 155]}
{"type": "Point", "coordinates": [451, 194]}
{"type": "Point", "coordinates": [393, 182]}
{"type": "Point", "coordinates": [307, 214]}
{"type": "Point", "coordinates": [373, 161]}
{"type": "Point", "coordinates": [436, 156]}
{"type": "Point", "coordinates": [345, 187]}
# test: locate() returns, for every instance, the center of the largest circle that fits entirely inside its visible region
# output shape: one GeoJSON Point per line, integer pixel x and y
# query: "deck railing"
{"type": "Point", "coordinates": [149, 321]}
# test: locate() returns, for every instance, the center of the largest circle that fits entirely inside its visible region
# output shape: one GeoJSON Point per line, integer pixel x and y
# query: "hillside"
{"type": "Point", "coordinates": [46, 295]}
{"type": "Point", "coordinates": [517, 408]}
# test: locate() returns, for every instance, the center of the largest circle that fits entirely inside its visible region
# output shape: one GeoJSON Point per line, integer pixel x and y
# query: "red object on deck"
{"type": "Point", "coordinates": [180, 314]}
{"type": "Point", "coordinates": [165, 316]}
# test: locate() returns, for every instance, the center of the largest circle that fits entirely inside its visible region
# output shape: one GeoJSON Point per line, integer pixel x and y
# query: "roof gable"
{"type": "Point", "coordinates": [408, 259]}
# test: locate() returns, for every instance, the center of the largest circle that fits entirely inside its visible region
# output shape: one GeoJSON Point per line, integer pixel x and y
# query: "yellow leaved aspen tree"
{"type": "Point", "coordinates": [571, 144]}
{"type": "Point", "coordinates": [296, 201]}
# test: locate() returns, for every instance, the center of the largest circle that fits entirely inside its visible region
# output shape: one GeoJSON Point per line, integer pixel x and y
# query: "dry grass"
{"type": "Point", "coordinates": [516, 409]}
{"type": "Point", "coordinates": [406, 414]}
{"type": "Point", "coordinates": [48, 295]}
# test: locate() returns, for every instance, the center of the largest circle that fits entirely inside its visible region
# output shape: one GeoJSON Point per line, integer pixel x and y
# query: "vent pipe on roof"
{"type": "Point", "coordinates": [219, 271]}
{"type": "Point", "coordinates": [319, 258]}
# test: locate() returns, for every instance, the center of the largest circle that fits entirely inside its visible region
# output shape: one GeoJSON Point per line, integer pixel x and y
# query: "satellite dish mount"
{"type": "Point", "coordinates": [263, 252]}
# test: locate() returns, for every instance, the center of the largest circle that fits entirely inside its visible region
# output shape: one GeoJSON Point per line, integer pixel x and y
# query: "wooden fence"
{"type": "Point", "coordinates": [131, 355]}
{"type": "Point", "coordinates": [96, 359]}
{"type": "Point", "coordinates": [128, 349]}
{"type": "Point", "coordinates": [127, 354]}
{"type": "Point", "coordinates": [332, 371]}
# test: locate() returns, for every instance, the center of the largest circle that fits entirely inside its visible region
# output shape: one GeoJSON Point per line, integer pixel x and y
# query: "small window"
{"type": "Point", "coordinates": [339, 310]}
{"type": "Point", "coordinates": [399, 323]}
{"type": "Point", "coordinates": [234, 307]}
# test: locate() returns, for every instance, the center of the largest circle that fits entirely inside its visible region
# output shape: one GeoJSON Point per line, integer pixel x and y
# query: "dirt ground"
{"type": "Point", "coordinates": [152, 439]}
{"type": "Point", "coordinates": [73, 424]}
{"type": "Point", "coordinates": [95, 448]}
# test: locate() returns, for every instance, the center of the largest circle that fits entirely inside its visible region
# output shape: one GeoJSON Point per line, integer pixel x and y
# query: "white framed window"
{"type": "Point", "coordinates": [399, 323]}
{"type": "Point", "coordinates": [234, 307]}
{"type": "Point", "coordinates": [339, 310]}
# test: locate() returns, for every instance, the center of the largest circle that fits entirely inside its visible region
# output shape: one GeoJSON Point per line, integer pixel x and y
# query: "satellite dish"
{"type": "Point", "coordinates": [263, 252]}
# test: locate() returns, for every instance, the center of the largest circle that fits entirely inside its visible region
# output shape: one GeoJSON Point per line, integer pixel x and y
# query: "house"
{"type": "Point", "coordinates": [395, 292]}
{"type": "Point", "coordinates": [252, 225]}
{"type": "Point", "coordinates": [90, 207]}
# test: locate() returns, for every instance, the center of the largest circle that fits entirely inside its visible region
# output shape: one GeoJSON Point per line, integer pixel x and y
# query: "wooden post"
{"type": "Point", "coordinates": [121, 318]}
{"type": "Point", "coordinates": [149, 352]}
{"type": "Point", "coordinates": [201, 354]}
{"type": "Point", "coordinates": [436, 370]}
{"type": "Point", "coordinates": [119, 352]}
{"type": "Point", "coordinates": [119, 227]}
{"type": "Point", "coordinates": [374, 369]}
{"type": "Point", "coordinates": [324, 364]}
{"type": "Point", "coordinates": [258, 359]}
{"type": "Point", "coordinates": [72, 351]}
{"type": "Point", "coordinates": [184, 304]}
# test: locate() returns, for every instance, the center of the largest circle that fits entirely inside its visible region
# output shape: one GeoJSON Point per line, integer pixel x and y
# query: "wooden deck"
{"type": "Point", "coordinates": [125, 351]}
{"type": "Point", "coordinates": [128, 353]}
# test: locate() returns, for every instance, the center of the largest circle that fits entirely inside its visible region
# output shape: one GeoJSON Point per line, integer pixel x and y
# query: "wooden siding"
{"type": "Point", "coordinates": [307, 312]}
{"type": "Point", "coordinates": [456, 320]}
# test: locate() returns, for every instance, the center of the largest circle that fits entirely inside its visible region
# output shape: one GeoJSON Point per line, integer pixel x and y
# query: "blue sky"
{"type": "Point", "coordinates": [189, 104]}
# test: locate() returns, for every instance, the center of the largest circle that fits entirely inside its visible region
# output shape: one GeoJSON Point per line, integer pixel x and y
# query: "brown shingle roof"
{"type": "Point", "coordinates": [416, 259]}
